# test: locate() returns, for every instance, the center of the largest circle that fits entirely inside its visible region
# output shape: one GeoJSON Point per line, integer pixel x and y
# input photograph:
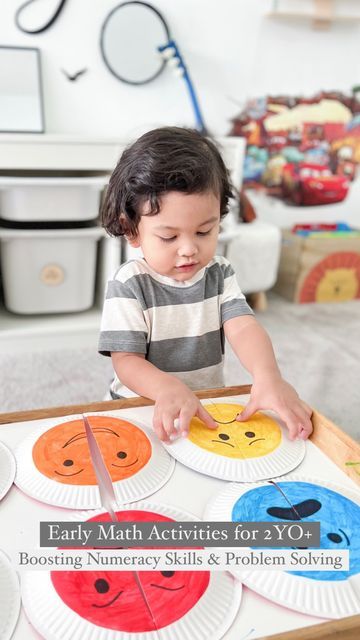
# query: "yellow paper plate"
{"type": "Point", "coordinates": [240, 451]}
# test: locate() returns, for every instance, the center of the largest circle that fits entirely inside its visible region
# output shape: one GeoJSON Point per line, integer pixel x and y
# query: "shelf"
{"type": "Point", "coordinates": [292, 15]}
{"type": "Point", "coordinates": [58, 152]}
{"type": "Point", "coordinates": [51, 331]}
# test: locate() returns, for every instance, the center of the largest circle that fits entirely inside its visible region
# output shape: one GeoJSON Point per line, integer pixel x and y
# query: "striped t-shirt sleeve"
{"type": "Point", "coordinates": [233, 302]}
{"type": "Point", "coordinates": [123, 325]}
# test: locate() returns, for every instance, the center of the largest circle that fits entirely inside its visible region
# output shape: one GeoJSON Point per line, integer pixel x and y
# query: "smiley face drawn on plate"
{"type": "Point", "coordinates": [62, 453]}
{"type": "Point", "coordinates": [339, 518]}
{"type": "Point", "coordinates": [254, 438]}
{"type": "Point", "coordinates": [112, 599]}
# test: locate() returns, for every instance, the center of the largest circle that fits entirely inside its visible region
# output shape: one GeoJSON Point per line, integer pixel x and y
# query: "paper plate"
{"type": "Point", "coordinates": [7, 470]}
{"type": "Point", "coordinates": [9, 598]}
{"type": "Point", "coordinates": [234, 444]}
{"type": "Point", "coordinates": [152, 476]}
{"type": "Point", "coordinates": [209, 617]}
{"type": "Point", "coordinates": [334, 595]}
{"type": "Point", "coordinates": [56, 455]}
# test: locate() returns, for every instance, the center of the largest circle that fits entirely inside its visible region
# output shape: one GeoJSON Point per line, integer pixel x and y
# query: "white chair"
{"type": "Point", "coordinates": [254, 252]}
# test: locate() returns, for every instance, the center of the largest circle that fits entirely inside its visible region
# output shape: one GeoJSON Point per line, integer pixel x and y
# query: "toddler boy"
{"type": "Point", "coordinates": [166, 315]}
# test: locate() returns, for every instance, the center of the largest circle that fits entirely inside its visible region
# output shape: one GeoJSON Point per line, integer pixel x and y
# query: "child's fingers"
{"type": "Point", "coordinates": [303, 414]}
{"type": "Point", "coordinates": [248, 411]}
{"type": "Point", "coordinates": [185, 417]}
{"type": "Point", "coordinates": [206, 417]}
{"type": "Point", "coordinates": [161, 433]}
{"type": "Point", "coordinates": [168, 420]}
{"type": "Point", "coordinates": [303, 433]}
{"type": "Point", "coordinates": [159, 429]}
{"type": "Point", "coordinates": [292, 422]}
{"type": "Point", "coordinates": [305, 427]}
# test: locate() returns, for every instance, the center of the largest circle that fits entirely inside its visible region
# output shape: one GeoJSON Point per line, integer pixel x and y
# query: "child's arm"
{"type": "Point", "coordinates": [173, 399]}
{"type": "Point", "coordinates": [253, 347]}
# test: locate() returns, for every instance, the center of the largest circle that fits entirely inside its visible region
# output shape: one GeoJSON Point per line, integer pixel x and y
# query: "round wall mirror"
{"type": "Point", "coordinates": [130, 36]}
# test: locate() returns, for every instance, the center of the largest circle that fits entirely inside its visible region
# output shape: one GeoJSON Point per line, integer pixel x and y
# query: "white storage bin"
{"type": "Point", "coordinates": [50, 271]}
{"type": "Point", "coordinates": [50, 198]}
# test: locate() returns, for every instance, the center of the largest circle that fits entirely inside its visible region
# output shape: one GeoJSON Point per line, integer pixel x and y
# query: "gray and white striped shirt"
{"type": "Point", "coordinates": [177, 325]}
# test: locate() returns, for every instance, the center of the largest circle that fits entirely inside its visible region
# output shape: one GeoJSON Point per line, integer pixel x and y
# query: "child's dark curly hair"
{"type": "Point", "coordinates": [162, 160]}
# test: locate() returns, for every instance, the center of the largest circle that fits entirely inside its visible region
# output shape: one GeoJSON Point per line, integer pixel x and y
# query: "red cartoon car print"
{"type": "Point", "coordinates": [313, 184]}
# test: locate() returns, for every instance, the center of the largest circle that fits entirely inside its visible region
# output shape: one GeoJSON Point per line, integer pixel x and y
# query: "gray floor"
{"type": "Point", "coordinates": [317, 346]}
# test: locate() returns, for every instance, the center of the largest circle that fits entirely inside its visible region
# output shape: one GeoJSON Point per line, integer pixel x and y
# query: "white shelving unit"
{"type": "Point", "coordinates": [57, 155]}
{"type": "Point", "coordinates": [322, 13]}
{"type": "Point", "coordinates": [28, 333]}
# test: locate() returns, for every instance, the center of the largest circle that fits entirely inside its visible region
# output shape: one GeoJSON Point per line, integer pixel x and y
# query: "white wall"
{"type": "Point", "coordinates": [232, 51]}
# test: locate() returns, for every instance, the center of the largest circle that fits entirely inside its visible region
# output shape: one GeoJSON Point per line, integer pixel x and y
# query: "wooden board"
{"type": "Point", "coordinates": [331, 440]}
{"type": "Point", "coordinates": [109, 405]}
{"type": "Point", "coordinates": [337, 445]}
{"type": "Point", "coordinates": [344, 629]}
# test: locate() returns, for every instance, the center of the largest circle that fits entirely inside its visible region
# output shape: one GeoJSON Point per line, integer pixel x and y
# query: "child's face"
{"type": "Point", "coordinates": [181, 239]}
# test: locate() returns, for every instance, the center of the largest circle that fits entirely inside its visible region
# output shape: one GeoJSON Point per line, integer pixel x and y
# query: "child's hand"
{"type": "Point", "coordinates": [279, 396]}
{"type": "Point", "coordinates": [177, 402]}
